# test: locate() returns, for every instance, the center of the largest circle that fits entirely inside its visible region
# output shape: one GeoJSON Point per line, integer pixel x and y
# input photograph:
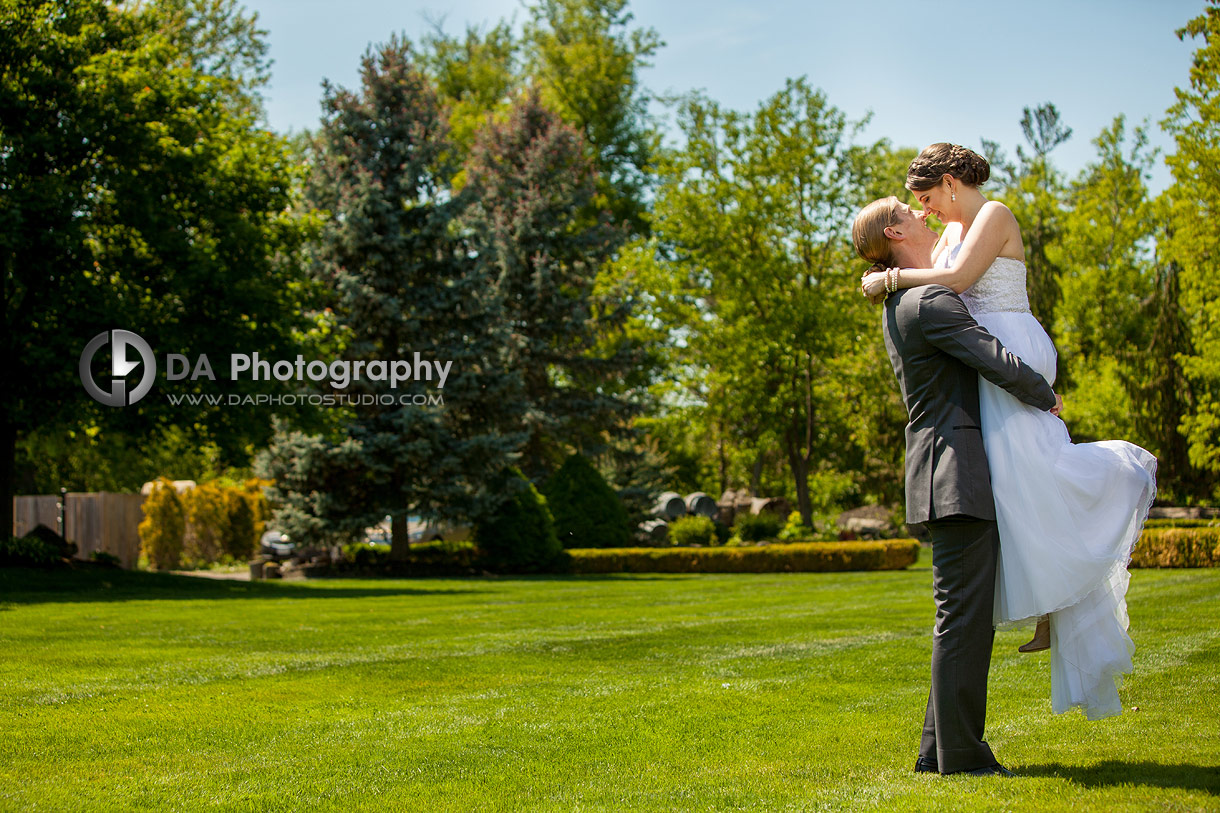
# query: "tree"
{"type": "Point", "coordinates": [754, 275]}
{"type": "Point", "coordinates": [1192, 249]}
{"type": "Point", "coordinates": [1034, 190]}
{"type": "Point", "coordinates": [476, 78]}
{"type": "Point", "coordinates": [519, 536]}
{"type": "Point", "coordinates": [585, 59]}
{"type": "Point", "coordinates": [137, 190]}
{"type": "Point", "coordinates": [531, 189]}
{"type": "Point", "coordinates": [1105, 253]}
{"type": "Point", "coordinates": [586, 511]}
{"type": "Point", "coordinates": [402, 282]}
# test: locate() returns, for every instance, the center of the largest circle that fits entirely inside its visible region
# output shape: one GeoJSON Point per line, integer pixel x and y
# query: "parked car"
{"type": "Point", "coordinates": [379, 534]}
{"type": "Point", "coordinates": [432, 531]}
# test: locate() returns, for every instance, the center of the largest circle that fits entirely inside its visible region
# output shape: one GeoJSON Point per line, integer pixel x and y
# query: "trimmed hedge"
{"type": "Point", "coordinates": [804, 557]}
{"type": "Point", "coordinates": [1177, 547]}
{"type": "Point", "coordinates": [1165, 522]}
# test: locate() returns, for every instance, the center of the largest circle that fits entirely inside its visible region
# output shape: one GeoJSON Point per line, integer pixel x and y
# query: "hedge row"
{"type": "Point", "coordinates": [806, 557]}
{"type": "Point", "coordinates": [1177, 547]}
{"type": "Point", "coordinates": [1166, 522]}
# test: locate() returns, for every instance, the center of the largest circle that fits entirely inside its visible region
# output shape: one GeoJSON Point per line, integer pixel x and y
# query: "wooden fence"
{"type": "Point", "coordinates": [98, 521]}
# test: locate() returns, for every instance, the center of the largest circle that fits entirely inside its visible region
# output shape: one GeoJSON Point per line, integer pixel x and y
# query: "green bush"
{"type": "Point", "coordinates": [101, 557]}
{"type": "Point", "coordinates": [28, 551]}
{"type": "Point", "coordinates": [163, 527]}
{"type": "Point", "coordinates": [687, 531]}
{"type": "Point", "coordinates": [363, 554]}
{"type": "Point", "coordinates": [811, 557]}
{"type": "Point", "coordinates": [756, 527]}
{"type": "Point", "coordinates": [586, 511]}
{"type": "Point", "coordinates": [239, 538]}
{"type": "Point", "coordinates": [520, 535]}
{"type": "Point", "coordinates": [795, 529]}
{"type": "Point", "coordinates": [1182, 523]}
{"type": "Point", "coordinates": [1177, 547]}
{"type": "Point", "coordinates": [207, 525]}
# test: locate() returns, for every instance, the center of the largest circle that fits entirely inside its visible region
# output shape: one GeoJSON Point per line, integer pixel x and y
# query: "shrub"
{"type": "Point", "coordinates": [756, 527]}
{"type": "Point", "coordinates": [687, 531]}
{"type": "Point", "coordinates": [163, 527]}
{"type": "Point", "coordinates": [520, 535]}
{"type": "Point", "coordinates": [795, 529]}
{"type": "Point", "coordinates": [812, 557]}
{"type": "Point", "coordinates": [1163, 522]}
{"type": "Point", "coordinates": [105, 559]}
{"type": "Point", "coordinates": [1177, 547]}
{"type": "Point", "coordinates": [239, 535]}
{"type": "Point", "coordinates": [207, 521]}
{"type": "Point", "coordinates": [586, 511]}
{"type": "Point", "coordinates": [363, 554]}
{"type": "Point", "coordinates": [28, 551]}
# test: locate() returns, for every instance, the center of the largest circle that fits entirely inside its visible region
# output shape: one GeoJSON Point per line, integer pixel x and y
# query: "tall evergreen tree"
{"type": "Point", "coordinates": [403, 283]}
{"type": "Point", "coordinates": [537, 245]}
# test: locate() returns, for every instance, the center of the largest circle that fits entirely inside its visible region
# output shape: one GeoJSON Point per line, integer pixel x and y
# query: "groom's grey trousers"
{"type": "Point", "coordinates": [964, 552]}
{"type": "Point", "coordinates": [938, 352]}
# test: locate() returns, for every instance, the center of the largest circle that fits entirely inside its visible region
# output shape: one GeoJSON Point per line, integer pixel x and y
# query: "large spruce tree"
{"type": "Point", "coordinates": [402, 282]}
{"type": "Point", "coordinates": [539, 244]}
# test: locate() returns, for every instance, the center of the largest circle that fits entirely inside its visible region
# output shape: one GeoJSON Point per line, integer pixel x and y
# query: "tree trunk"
{"type": "Point", "coordinates": [8, 452]}
{"type": "Point", "coordinates": [756, 475]}
{"type": "Point", "coordinates": [400, 542]}
{"type": "Point", "coordinates": [800, 473]}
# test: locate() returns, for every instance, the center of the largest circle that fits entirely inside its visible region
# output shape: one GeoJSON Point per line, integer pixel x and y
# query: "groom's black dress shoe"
{"type": "Point", "coordinates": [991, 770]}
{"type": "Point", "coordinates": [925, 765]}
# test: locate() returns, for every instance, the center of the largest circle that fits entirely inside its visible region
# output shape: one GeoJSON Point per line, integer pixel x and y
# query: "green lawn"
{"type": "Point", "coordinates": [710, 692]}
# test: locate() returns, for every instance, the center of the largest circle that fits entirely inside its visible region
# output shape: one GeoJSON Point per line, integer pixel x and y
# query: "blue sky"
{"type": "Point", "coordinates": [950, 71]}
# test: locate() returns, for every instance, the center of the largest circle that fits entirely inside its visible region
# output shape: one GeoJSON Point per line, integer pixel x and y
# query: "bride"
{"type": "Point", "coordinates": [1068, 514]}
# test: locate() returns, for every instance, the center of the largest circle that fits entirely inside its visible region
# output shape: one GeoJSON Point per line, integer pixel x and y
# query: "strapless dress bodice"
{"type": "Point", "coordinates": [1001, 288]}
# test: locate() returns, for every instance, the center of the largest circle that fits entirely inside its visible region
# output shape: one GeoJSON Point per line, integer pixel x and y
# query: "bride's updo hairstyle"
{"type": "Point", "coordinates": [868, 232]}
{"type": "Point", "coordinates": [939, 160]}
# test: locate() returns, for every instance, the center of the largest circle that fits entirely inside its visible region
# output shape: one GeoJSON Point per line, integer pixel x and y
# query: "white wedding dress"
{"type": "Point", "coordinates": [1069, 514]}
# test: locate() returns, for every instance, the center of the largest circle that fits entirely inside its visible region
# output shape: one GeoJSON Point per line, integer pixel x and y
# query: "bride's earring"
{"type": "Point", "coordinates": [953, 196]}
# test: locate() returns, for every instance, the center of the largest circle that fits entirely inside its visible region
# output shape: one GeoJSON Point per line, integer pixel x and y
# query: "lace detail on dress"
{"type": "Point", "coordinates": [1001, 288]}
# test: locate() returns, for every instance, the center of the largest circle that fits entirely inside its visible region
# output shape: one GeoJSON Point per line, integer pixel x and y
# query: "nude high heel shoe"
{"type": "Point", "coordinates": [1042, 637]}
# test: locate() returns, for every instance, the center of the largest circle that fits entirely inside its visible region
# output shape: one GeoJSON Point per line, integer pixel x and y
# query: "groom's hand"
{"type": "Point", "coordinates": [1058, 407]}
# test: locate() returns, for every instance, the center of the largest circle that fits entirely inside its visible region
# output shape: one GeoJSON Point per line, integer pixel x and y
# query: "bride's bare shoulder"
{"type": "Point", "coordinates": [998, 211]}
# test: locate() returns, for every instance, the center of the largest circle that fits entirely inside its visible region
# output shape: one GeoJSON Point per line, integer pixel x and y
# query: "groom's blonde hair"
{"type": "Point", "coordinates": [868, 231]}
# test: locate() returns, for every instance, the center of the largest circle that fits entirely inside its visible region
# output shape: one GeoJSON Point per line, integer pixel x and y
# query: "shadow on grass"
{"type": "Point", "coordinates": [34, 586]}
{"type": "Point", "coordinates": [1112, 772]}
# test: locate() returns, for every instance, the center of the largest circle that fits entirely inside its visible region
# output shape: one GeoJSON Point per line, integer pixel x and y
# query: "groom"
{"type": "Point", "coordinates": [938, 353]}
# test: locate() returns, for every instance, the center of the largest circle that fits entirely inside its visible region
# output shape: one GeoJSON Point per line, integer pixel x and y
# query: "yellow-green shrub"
{"type": "Point", "coordinates": [1177, 547]}
{"type": "Point", "coordinates": [161, 531]}
{"type": "Point", "coordinates": [692, 530]}
{"type": "Point", "coordinates": [240, 539]}
{"type": "Point", "coordinates": [207, 525]}
{"type": "Point", "coordinates": [815, 557]}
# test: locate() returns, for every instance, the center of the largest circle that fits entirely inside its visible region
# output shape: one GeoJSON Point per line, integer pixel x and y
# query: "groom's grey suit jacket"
{"type": "Point", "coordinates": [938, 352]}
